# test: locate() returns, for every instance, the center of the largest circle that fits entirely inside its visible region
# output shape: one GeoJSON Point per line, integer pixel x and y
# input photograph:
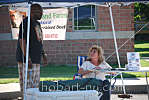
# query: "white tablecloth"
{"type": "Point", "coordinates": [35, 94]}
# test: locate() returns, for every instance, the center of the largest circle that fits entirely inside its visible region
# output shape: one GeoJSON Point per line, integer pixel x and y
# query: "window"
{"type": "Point", "coordinates": [84, 17]}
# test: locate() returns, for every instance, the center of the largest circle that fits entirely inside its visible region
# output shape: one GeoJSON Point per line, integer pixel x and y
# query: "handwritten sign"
{"type": "Point", "coordinates": [133, 59]}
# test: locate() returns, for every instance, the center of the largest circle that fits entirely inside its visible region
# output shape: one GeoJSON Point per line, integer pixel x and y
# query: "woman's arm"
{"type": "Point", "coordinates": [84, 72]}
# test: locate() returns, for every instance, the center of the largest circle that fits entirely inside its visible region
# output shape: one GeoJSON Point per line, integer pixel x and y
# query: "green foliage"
{"type": "Point", "coordinates": [141, 12]}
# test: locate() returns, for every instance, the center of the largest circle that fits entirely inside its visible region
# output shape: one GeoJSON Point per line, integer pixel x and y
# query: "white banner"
{"type": "Point", "coordinates": [53, 23]}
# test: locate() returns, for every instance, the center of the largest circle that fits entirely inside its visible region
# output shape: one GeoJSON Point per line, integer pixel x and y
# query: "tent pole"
{"type": "Point", "coordinates": [27, 49]}
{"type": "Point", "coordinates": [116, 47]}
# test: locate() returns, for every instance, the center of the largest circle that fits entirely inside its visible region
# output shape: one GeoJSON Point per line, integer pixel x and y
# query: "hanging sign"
{"type": "Point", "coordinates": [16, 18]}
{"type": "Point", "coordinates": [53, 23]}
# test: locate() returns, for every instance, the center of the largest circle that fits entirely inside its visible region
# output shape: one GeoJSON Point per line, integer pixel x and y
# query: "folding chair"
{"type": "Point", "coordinates": [80, 60]}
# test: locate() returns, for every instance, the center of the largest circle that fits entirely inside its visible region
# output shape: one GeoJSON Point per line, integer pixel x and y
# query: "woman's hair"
{"type": "Point", "coordinates": [100, 53]}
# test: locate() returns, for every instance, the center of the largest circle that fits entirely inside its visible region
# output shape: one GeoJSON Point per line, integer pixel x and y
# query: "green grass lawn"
{"type": "Point", "coordinates": [142, 47]}
{"type": "Point", "coordinates": [63, 72]}
{"type": "Point", "coordinates": [50, 72]}
{"type": "Point", "coordinates": [144, 63]}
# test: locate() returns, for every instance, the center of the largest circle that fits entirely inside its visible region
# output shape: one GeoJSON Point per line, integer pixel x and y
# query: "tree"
{"type": "Point", "coordinates": [141, 12]}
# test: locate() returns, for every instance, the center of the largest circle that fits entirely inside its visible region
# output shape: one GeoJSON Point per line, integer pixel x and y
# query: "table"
{"type": "Point", "coordinates": [120, 71]}
{"type": "Point", "coordinates": [35, 94]}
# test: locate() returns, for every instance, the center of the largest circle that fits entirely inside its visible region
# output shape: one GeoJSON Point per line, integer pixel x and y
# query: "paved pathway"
{"type": "Point", "coordinates": [15, 95]}
{"type": "Point", "coordinates": [134, 97]}
{"type": "Point", "coordinates": [11, 90]}
{"type": "Point", "coordinates": [12, 87]}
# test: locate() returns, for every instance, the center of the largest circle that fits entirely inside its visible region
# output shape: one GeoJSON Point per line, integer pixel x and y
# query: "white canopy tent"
{"type": "Point", "coordinates": [67, 4]}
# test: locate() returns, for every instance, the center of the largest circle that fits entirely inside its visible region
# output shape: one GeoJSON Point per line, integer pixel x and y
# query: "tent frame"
{"type": "Point", "coordinates": [28, 27]}
{"type": "Point", "coordinates": [27, 47]}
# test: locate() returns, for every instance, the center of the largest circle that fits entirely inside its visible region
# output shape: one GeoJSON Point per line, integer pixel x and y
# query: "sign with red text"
{"type": "Point", "coordinates": [53, 23]}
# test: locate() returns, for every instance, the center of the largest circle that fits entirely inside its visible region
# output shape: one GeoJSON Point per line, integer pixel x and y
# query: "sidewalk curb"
{"type": "Point", "coordinates": [130, 89]}
{"type": "Point", "coordinates": [10, 95]}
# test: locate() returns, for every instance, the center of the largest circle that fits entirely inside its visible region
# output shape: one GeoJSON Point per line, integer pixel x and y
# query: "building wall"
{"type": "Point", "coordinates": [5, 28]}
{"type": "Point", "coordinates": [122, 16]}
{"type": "Point", "coordinates": [66, 51]}
{"type": "Point", "coordinates": [78, 43]}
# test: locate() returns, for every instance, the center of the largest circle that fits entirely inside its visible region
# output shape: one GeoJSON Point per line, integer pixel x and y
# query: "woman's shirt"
{"type": "Point", "coordinates": [87, 65]}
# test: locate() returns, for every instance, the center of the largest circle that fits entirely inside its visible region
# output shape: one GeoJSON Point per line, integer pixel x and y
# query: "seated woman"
{"type": "Point", "coordinates": [95, 61]}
